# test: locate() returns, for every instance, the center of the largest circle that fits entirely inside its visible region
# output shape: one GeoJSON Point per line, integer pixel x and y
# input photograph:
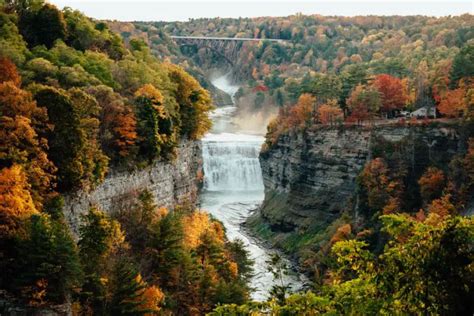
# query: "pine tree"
{"type": "Point", "coordinates": [48, 256]}
{"type": "Point", "coordinates": [128, 290]}
{"type": "Point", "coordinates": [100, 238]}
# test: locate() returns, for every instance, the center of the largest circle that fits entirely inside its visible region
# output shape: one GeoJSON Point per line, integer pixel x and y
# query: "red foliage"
{"type": "Point", "coordinates": [392, 92]}
{"type": "Point", "coordinates": [260, 88]}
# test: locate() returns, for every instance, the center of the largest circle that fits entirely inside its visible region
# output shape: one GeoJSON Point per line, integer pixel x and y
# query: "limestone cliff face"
{"type": "Point", "coordinates": [311, 176]}
{"type": "Point", "coordinates": [171, 183]}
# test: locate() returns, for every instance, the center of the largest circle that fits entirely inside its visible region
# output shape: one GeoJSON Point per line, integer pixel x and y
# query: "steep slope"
{"type": "Point", "coordinates": [310, 177]}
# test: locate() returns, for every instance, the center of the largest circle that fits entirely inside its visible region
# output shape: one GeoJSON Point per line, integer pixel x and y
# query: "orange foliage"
{"type": "Point", "coordinates": [162, 212]}
{"type": "Point", "coordinates": [152, 299]}
{"type": "Point", "coordinates": [393, 206]}
{"type": "Point", "coordinates": [342, 233]}
{"type": "Point", "coordinates": [358, 106]}
{"type": "Point", "coordinates": [16, 203]}
{"type": "Point", "coordinates": [442, 206]}
{"type": "Point", "coordinates": [36, 294]}
{"type": "Point", "coordinates": [383, 192]}
{"type": "Point", "coordinates": [452, 103]}
{"type": "Point", "coordinates": [431, 183]}
{"type": "Point", "coordinates": [234, 269]}
{"type": "Point", "coordinates": [300, 114]}
{"type": "Point", "coordinates": [15, 101]}
{"type": "Point", "coordinates": [392, 92]}
{"type": "Point", "coordinates": [8, 72]}
{"type": "Point", "coordinates": [21, 120]}
{"type": "Point", "coordinates": [330, 113]}
{"type": "Point", "coordinates": [420, 216]}
{"type": "Point", "coordinates": [125, 132]}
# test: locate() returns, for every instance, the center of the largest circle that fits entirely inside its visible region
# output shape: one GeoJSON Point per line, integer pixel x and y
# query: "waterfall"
{"type": "Point", "coordinates": [230, 162]}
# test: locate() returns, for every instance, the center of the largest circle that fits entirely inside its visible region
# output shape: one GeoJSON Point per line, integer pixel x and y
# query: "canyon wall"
{"type": "Point", "coordinates": [310, 177]}
{"type": "Point", "coordinates": [171, 183]}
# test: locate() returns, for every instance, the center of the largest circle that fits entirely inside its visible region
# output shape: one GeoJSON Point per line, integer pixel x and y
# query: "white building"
{"type": "Point", "coordinates": [424, 112]}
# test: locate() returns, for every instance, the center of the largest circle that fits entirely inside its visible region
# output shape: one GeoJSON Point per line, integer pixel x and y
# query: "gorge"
{"type": "Point", "coordinates": [233, 188]}
{"type": "Point", "coordinates": [278, 165]}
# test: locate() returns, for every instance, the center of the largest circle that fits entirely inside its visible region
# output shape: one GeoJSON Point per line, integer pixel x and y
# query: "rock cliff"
{"type": "Point", "coordinates": [171, 183]}
{"type": "Point", "coordinates": [310, 177]}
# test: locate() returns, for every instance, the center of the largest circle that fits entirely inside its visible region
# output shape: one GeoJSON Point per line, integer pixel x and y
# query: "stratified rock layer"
{"type": "Point", "coordinates": [170, 183]}
{"type": "Point", "coordinates": [310, 177]}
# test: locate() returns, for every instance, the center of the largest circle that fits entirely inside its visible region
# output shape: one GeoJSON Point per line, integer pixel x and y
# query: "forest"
{"type": "Point", "coordinates": [328, 57]}
{"type": "Point", "coordinates": [75, 102]}
{"type": "Point", "coordinates": [80, 98]}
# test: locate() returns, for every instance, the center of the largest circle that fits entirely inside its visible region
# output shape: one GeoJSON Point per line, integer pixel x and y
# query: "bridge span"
{"type": "Point", "coordinates": [238, 39]}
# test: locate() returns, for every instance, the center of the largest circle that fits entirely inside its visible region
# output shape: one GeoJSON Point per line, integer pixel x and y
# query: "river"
{"type": "Point", "coordinates": [233, 186]}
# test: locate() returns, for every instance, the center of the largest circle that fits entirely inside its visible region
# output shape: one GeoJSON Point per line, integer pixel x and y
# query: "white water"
{"type": "Point", "coordinates": [233, 186]}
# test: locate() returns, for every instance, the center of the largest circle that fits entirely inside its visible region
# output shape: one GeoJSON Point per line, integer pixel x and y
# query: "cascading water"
{"type": "Point", "coordinates": [233, 186]}
{"type": "Point", "coordinates": [231, 163]}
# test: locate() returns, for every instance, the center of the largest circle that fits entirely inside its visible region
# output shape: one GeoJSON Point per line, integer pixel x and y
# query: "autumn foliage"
{"type": "Point", "coordinates": [431, 183]}
{"type": "Point", "coordinates": [392, 92]}
{"type": "Point", "coordinates": [363, 103]}
{"type": "Point", "coordinates": [16, 203]}
{"type": "Point", "coordinates": [301, 113]}
{"type": "Point", "coordinates": [452, 103]}
{"type": "Point", "coordinates": [330, 113]}
{"type": "Point", "coordinates": [9, 72]}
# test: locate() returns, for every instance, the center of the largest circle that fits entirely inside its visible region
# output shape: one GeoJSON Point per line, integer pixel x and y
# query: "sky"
{"type": "Point", "coordinates": [183, 10]}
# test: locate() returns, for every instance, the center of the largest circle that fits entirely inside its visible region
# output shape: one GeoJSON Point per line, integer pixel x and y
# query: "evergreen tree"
{"type": "Point", "coordinates": [127, 290]}
{"type": "Point", "coordinates": [48, 256]}
{"type": "Point", "coordinates": [100, 238]}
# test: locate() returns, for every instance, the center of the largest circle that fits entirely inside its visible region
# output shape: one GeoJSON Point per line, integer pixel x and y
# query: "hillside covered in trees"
{"type": "Point", "coordinates": [328, 57]}
{"type": "Point", "coordinates": [75, 103]}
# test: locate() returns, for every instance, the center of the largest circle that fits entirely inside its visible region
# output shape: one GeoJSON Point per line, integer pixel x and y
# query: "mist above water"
{"type": "Point", "coordinates": [224, 83]}
{"type": "Point", "coordinates": [241, 117]}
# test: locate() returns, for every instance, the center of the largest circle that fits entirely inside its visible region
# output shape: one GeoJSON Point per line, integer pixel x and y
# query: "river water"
{"type": "Point", "coordinates": [233, 186]}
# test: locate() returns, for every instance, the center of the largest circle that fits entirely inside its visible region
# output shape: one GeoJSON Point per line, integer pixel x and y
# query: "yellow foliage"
{"type": "Point", "coordinates": [149, 91]}
{"type": "Point", "coordinates": [16, 203]}
{"type": "Point", "coordinates": [196, 224]}
{"type": "Point", "coordinates": [233, 269]}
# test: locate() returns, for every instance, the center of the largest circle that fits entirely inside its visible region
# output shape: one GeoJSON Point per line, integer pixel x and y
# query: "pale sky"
{"type": "Point", "coordinates": [182, 10]}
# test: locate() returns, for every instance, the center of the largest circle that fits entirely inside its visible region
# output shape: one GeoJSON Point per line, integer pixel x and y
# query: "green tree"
{"type": "Point", "coordinates": [154, 125]}
{"type": "Point", "coordinates": [194, 104]}
{"type": "Point", "coordinates": [42, 27]}
{"type": "Point", "coordinates": [352, 76]}
{"type": "Point", "coordinates": [279, 270]}
{"type": "Point", "coordinates": [166, 243]}
{"type": "Point", "coordinates": [463, 66]}
{"type": "Point", "coordinates": [48, 257]}
{"type": "Point", "coordinates": [100, 239]}
{"type": "Point", "coordinates": [73, 145]}
{"type": "Point", "coordinates": [127, 290]}
{"type": "Point", "coordinates": [324, 87]}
